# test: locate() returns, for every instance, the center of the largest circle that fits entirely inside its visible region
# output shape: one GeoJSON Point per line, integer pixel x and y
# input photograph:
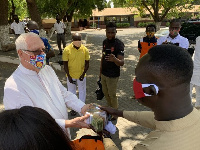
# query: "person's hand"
{"type": "Point", "coordinates": [81, 77]}
{"type": "Point", "coordinates": [109, 110]}
{"type": "Point", "coordinates": [110, 57]}
{"type": "Point", "coordinates": [112, 111]}
{"type": "Point", "coordinates": [85, 108]}
{"type": "Point", "coordinates": [77, 122]}
{"type": "Point", "coordinates": [70, 79]}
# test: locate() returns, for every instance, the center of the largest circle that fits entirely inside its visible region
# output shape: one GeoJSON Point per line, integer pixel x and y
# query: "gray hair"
{"type": "Point", "coordinates": [21, 42]}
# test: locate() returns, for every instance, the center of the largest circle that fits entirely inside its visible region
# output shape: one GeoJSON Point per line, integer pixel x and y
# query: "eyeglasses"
{"type": "Point", "coordinates": [36, 52]}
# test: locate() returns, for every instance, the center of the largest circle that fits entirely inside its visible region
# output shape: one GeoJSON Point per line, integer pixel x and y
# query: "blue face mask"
{"type": "Point", "coordinates": [35, 31]}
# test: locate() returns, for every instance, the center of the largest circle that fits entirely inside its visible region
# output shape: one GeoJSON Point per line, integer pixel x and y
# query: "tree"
{"type": "Point", "coordinates": [68, 8]}
{"type": "Point", "coordinates": [34, 13]}
{"type": "Point", "coordinates": [155, 6]}
{"type": "Point", "coordinates": [108, 5]}
{"type": "Point", "coordinates": [5, 43]}
{"type": "Point", "coordinates": [18, 7]}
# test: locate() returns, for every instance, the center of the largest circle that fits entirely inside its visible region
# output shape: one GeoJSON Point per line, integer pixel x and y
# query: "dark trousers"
{"type": "Point", "coordinates": [61, 38]}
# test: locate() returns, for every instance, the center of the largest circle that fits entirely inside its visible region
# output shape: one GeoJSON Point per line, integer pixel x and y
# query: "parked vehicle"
{"type": "Point", "coordinates": [191, 30]}
{"type": "Point", "coordinates": [162, 32]}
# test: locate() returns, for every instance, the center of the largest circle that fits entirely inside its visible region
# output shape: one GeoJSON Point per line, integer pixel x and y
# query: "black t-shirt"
{"type": "Point", "coordinates": [110, 69]}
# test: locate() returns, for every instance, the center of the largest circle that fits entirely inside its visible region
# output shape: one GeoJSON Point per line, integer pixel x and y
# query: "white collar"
{"type": "Point", "coordinates": [175, 37]}
{"type": "Point", "coordinates": [26, 71]}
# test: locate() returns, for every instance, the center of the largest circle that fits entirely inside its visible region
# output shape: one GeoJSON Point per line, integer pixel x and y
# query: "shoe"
{"type": "Point", "coordinates": [73, 113]}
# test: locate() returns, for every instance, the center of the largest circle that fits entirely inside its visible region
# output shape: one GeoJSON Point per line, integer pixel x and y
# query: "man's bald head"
{"type": "Point", "coordinates": [76, 36]}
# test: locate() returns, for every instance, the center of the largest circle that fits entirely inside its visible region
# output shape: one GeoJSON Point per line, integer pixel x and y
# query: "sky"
{"type": "Point", "coordinates": [111, 3]}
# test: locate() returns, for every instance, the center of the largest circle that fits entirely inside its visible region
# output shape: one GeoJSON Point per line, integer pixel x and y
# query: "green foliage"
{"type": "Point", "coordinates": [21, 8]}
{"type": "Point", "coordinates": [155, 7]}
{"type": "Point", "coordinates": [49, 8]}
{"type": "Point", "coordinates": [123, 25]}
{"type": "Point", "coordinates": [167, 24]}
{"type": "Point", "coordinates": [81, 8]}
{"type": "Point", "coordinates": [108, 5]}
{"type": "Point", "coordinates": [144, 24]}
{"type": "Point", "coordinates": [93, 26]}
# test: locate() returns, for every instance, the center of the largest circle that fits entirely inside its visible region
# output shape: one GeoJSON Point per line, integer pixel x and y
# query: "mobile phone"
{"type": "Point", "coordinates": [108, 51]}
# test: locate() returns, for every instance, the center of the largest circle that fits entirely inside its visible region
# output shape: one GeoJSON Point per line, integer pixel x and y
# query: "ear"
{"type": "Point", "coordinates": [116, 31]}
{"type": "Point", "coordinates": [150, 90]}
{"type": "Point", "coordinates": [20, 53]}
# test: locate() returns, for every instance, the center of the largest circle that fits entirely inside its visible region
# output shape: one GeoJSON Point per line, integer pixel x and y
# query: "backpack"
{"type": "Point", "coordinates": [99, 92]}
{"type": "Point", "coordinates": [88, 142]}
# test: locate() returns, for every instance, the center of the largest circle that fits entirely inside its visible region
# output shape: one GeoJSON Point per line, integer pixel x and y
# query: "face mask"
{"type": "Point", "coordinates": [150, 34]}
{"type": "Point", "coordinates": [38, 61]}
{"type": "Point", "coordinates": [35, 31]}
{"type": "Point", "coordinates": [16, 20]}
{"type": "Point", "coordinates": [138, 89]}
{"type": "Point", "coordinates": [77, 43]}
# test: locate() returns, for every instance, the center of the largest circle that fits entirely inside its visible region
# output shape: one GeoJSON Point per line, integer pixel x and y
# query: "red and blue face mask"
{"type": "Point", "coordinates": [138, 89]}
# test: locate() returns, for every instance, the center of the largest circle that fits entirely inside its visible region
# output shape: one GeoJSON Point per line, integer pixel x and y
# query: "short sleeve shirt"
{"type": "Point", "coordinates": [18, 27]}
{"type": "Point", "coordinates": [76, 59]}
{"type": "Point", "coordinates": [59, 27]}
{"type": "Point", "coordinates": [110, 69]}
{"type": "Point", "coordinates": [178, 40]}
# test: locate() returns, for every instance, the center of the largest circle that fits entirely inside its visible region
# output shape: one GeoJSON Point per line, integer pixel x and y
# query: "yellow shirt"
{"type": "Point", "coordinates": [179, 134]}
{"type": "Point", "coordinates": [76, 59]}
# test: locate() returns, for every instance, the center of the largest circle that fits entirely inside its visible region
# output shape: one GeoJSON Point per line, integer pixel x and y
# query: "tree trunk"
{"type": "Point", "coordinates": [158, 25]}
{"type": "Point", "coordinates": [5, 43]}
{"type": "Point", "coordinates": [4, 12]}
{"type": "Point", "coordinates": [68, 28]}
{"type": "Point", "coordinates": [34, 13]}
{"type": "Point", "coordinates": [69, 23]}
{"type": "Point", "coordinates": [12, 13]}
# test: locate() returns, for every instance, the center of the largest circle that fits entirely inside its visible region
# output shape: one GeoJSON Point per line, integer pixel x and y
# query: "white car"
{"type": "Point", "coordinates": [162, 32]}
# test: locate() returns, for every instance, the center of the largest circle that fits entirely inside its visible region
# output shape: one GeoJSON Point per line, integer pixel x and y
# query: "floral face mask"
{"type": "Point", "coordinates": [38, 61]}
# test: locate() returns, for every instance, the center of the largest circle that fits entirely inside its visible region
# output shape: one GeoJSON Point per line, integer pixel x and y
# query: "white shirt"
{"type": "Point", "coordinates": [59, 27]}
{"type": "Point", "coordinates": [183, 42]}
{"type": "Point", "coordinates": [18, 27]}
{"type": "Point", "coordinates": [44, 90]}
{"type": "Point", "coordinates": [196, 71]}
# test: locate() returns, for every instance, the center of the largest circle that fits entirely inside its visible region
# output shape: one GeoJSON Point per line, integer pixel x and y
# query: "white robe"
{"type": "Point", "coordinates": [44, 90]}
{"type": "Point", "coordinates": [196, 71]}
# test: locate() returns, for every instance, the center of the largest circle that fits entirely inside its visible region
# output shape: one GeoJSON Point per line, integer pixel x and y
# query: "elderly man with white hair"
{"type": "Point", "coordinates": [35, 84]}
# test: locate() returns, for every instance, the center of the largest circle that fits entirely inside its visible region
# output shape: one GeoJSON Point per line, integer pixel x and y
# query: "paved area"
{"type": "Point", "coordinates": [128, 133]}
